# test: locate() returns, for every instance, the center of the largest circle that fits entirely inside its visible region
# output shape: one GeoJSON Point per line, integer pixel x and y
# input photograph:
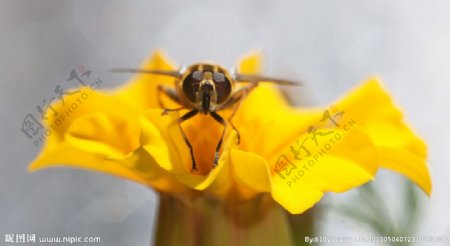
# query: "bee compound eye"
{"type": "Point", "coordinates": [191, 84]}
{"type": "Point", "coordinates": [223, 88]}
{"type": "Point", "coordinates": [197, 75]}
{"type": "Point", "coordinates": [219, 77]}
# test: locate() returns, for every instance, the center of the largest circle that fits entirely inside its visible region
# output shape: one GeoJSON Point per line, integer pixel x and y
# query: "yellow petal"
{"type": "Point", "coordinates": [251, 63]}
{"type": "Point", "coordinates": [112, 135]}
{"type": "Point", "coordinates": [341, 160]}
{"type": "Point", "coordinates": [265, 117]}
{"type": "Point", "coordinates": [83, 101]}
{"type": "Point", "coordinates": [141, 91]}
{"type": "Point", "coordinates": [89, 128]}
{"type": "Point", "coordinates": [162, 137]}
{"type": "Point", "coordinates": [147, 168]}
{"type": "Point", "coordinates": [239, 175]}
{"type": "Point", "coordinates": [251, 173]}
{"type": "Point", "coordinates": [138, 166]}
{"type": "Point", "coordinates": [399, 149]}
{"type": "Point", "coordinates": [67, 155]}
{"type": "Point", "coordinates": [297, 199]}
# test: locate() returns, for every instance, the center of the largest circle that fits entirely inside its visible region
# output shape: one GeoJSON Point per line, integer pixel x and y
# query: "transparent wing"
{"type": "Point", "coordinates": [254, 78]}
{"type": "Point", "coordinates": [171, 73]}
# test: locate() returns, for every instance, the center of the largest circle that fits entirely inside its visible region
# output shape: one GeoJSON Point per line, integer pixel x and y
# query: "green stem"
{"type": "Point", "coordinates": [203, 221]}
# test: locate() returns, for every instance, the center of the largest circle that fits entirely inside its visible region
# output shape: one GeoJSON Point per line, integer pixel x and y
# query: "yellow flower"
{"type": "Point", "coordinates": [293, 154]}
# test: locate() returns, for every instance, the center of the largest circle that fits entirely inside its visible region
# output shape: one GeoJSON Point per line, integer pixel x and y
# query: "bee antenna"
{"type": "Point", "coordinates": [171, 73]}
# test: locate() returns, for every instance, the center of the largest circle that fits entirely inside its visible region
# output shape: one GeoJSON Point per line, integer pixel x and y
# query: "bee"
{"type": "Point", "coordinates": [207, 88]}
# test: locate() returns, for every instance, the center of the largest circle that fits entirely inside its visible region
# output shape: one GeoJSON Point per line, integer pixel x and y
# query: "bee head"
{"type": "Point", "coordinates": [207, 85]}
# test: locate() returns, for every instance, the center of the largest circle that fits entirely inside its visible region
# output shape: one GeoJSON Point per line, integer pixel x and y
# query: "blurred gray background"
{"type": "Point", "coordinates": [332, 45]}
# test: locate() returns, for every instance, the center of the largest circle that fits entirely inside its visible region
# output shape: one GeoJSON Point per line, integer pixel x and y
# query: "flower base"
{"type": "Point", "coordinates": [204, 221]}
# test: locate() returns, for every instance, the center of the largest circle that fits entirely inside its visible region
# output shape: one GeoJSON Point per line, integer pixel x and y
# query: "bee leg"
{"type": "Point", "coordinates": [235, 102]}
{"type": "Point", "coordinates": [167, 110]}
{"type": "Point", "coordinates": [172, 94]}
{"type": "Point", "coordinates": [219, 119]}
{"type": "Point", "coordinates": [187, 116]}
